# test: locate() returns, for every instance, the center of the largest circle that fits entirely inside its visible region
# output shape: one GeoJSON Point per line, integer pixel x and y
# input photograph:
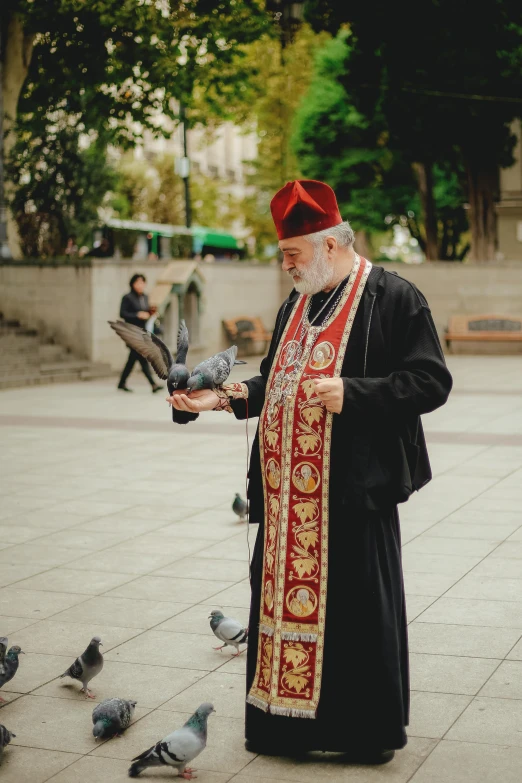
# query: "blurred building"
{"type": "Point", "coordinates": [509, 208]}
{"type": "Point", "coordinates": [222, 154]}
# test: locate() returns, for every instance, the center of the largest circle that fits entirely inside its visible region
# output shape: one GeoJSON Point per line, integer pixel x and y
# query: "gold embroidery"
{"type": "Point", "coordinates": [301, 601]}
{"type": "Point", "coordinates": [273, 474]}
{"type": "Point", "coordinates": [296, 543]}
{"type": "Point", "coordinates": [297, 677]}
{"type": "Point", "coordinates": [306, 477]}
{"type": "Point", "coordinates": [322, 356]}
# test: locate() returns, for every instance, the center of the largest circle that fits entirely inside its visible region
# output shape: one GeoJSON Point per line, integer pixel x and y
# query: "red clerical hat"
{"type": "Point", "coordinates": [304, 206]}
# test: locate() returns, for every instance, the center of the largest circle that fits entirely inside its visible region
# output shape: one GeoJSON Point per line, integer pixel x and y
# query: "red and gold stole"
{"type": "Point", "coordinates": [295, 437]}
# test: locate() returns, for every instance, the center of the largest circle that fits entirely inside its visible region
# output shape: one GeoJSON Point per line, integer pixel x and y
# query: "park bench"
{"type": "Point", "coordinates": [484, 328]}
{"type": "Point", "coordinates": [248, 333]}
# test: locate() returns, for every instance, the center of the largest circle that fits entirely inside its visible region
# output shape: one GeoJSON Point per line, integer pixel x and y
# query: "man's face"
{"type": "Point", "coordinates": [139, 286]}
{"type": "Point", "coordinates": [309, 268]}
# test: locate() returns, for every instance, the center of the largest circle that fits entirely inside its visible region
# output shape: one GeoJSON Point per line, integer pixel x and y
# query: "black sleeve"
{"type": "Point", "coordinates": [127, 308]}
{"type": "Point", "coordinates": [420, 382]}
{"type": "Point", "coordinates": [257, 385]}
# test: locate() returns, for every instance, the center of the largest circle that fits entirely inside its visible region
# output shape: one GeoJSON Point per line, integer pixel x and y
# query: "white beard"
{"type": "Point", "coordinates": [316, 276]}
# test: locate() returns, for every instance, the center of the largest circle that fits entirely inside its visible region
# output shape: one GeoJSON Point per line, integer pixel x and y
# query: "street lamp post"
{"type": "Point", "coordinates": [4, 247]}
{"type": "Point", "coordinates": [184, 168]}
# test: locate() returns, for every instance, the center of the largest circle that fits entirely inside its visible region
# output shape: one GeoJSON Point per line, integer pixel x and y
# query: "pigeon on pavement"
{"type": "Point", "coordinates": [5, 738]}
{"type": "Point", "coordinates": [111, 717]}
{"type": "Point", "coordinates": [239, 507]}
{"type": "Point", "coordinates": [214, 371]}
{"type": "Point", "coordinates": [174, 371]}
{"type": "Point", "coordinates": [8, 662]}
{"type": "Point", "coordinates": [87, 666]}
{"type": "Point", "coordinates": [228, 631]}
{"type": "Point", "coordinates": [179, 748]}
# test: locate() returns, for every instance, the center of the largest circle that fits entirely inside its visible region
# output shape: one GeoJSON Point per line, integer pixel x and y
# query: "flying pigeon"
{"type": "Point", "coordinates": [228, 630]}
{"type": "Point", "coordinates": [174, 371]}
{"type": "Point", "coordinates": [179, 748]}
{"type": "Point", "coordinates": [111, 717]}
{"type": "Point", "coordinates": [87, 666]}
{"type": "Point", "coordinates": [8, 662]}
{"type": "Point", "coordinates": [5, 738]}
{"type": "Point", "coordinates": [214, 371]}
{"type": "Point", "coordinates": [239, 507]}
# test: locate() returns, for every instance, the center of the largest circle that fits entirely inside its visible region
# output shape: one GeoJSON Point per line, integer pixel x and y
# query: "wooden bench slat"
{"type": "Point", "coordinates": [460, 329]}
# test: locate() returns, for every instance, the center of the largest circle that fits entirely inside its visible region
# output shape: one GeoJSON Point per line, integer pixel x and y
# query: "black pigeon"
{"type": "Point", "coordinates": [239, 507]}
{"type": "Point", "coordinates": [111, 717]}
{"type": "Point", "coordinates": [8, 662]}
{"type": "Point", "coordinates": [5, 738]}
{"type": "Point", "coordinates": [214, 371]}
{"type": "Point", "coordinates": [154, 350]}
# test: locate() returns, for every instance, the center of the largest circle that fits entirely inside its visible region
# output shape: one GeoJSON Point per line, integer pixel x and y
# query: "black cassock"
{"type": "Point", "coordinates": [393, 371]}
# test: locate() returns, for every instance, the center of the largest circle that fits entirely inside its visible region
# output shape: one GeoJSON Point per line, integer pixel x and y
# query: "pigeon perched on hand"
{"type": "Point", "coordinates": [179, 748]}
{"type": "Point", "coordinates": [154, 350]}
{"type": "Point", "coordinates": [8, 662]}
{"type": "Point", "coordinates": [87, 666]}
{"type": "Point", "coordinates": [239, 507]}
{"type": "Point", "coordinates": [214, 371]}
{"type": "Point", "coordinates": [228, 631]}
{"type": "Point", "coordinates": [5, 738]}
{"type": "Point", "coordinates": [111, 717]}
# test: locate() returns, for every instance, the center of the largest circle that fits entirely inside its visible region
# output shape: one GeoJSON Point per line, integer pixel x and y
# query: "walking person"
{"type": "Point", "coordinates": [135, 310]}
{"type": "Point", "coordinates": [353, 364]}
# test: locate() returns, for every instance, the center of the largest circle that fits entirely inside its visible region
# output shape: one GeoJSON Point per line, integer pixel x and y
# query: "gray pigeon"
{"type": "Point", "coordinates": [228, 631]}
{"type": "Point", "coordinates": [5, 738]}
{"type": "Point", "coordinates": [179, 748]}
{"type": "Point", "coordinates": [214, 371]}
{"type": "Point", "coordinates": [174, 371]}
{"type": "Point", "coordinates": [87, 666]}
{"type": "Point", "coordinates": [111, 717]}
{"type": "Point", "coordinates": [239, 507]}
{"type": "Point", "coordinates": [8, 662]}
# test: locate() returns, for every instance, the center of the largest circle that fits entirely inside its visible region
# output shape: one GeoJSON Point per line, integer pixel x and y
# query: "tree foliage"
{"type": "Point", "coordinates": [448, 82]}
{"type": "Point", "coordinates": [109, 72]}
{"type": "Point", "coordinates": [336, 141]}
{"type": "Point", "coordinates": [278, 81]}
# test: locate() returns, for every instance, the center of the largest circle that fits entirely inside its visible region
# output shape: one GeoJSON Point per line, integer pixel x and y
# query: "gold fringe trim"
{"type": "Point", "coordinates": [291, 712]}
{"type": "Point", "coordinates": [256, 702]}
{"type": "Point", "coordinates": [292, 636]}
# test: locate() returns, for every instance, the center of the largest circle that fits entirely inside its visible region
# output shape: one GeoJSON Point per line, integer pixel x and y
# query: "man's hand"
{"type": "Point", "coordinates": [195, 402]}
{"type": "Point", "coordinates": [143, 314]}
{"type": "Point", "coordinates": [331, 393]}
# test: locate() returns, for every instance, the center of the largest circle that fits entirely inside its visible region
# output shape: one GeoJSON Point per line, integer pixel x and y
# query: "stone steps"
{"type": "Point", "coordinates": [29, 361]}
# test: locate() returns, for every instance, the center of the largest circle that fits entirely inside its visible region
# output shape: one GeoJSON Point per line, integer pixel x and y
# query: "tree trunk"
{"type": "Point", "coordinates": [424, 172]}
{"type": "Point", "coordinates": [17, 57]}
{"type": "Point", "coordinates": [483, 189]}
{"type": "Point", "coordinates": [363, 244]}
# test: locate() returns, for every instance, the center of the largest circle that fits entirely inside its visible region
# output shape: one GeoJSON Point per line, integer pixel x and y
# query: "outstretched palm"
{"type": "Point", "coordinates": [195, 402]}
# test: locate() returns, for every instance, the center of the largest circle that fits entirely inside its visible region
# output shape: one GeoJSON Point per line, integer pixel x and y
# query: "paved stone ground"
{"type": "Point", "coordinates": [114, 522]}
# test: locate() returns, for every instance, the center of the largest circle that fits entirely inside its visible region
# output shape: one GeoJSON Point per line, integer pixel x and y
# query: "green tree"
{"type": "Point", "coordinates": [448, 85]}
{"type": "Point", "coordinates": [277, 81]}
{"type": "Point", "coordinates": [154, 191]}
{"type": "Point", "coordinates": [115, 69]}
{"type": "Point", "coordinates": [338, 142]}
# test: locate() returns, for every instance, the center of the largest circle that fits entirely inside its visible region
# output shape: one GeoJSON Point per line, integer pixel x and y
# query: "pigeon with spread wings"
{"type": "Point", "coordinates": [174, 371]}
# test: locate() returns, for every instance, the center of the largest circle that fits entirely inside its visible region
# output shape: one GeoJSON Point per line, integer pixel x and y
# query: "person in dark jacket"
{"type": "Point", "coordinates": [353, 363]}
{"type": "Point", "coordinates": [135, 310]}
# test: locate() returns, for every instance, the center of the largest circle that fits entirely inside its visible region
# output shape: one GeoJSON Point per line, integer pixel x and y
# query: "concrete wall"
{"type": "Point", "coordinates": [452, 289]}
{"type": "Point", "coordinates": [73, 304]}
{"type": "Point", "coordinates": [55, 300]}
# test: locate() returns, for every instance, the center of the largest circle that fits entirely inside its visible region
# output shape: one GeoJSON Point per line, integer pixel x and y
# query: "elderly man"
{"type": "Point", "coordinates": [331, 673]}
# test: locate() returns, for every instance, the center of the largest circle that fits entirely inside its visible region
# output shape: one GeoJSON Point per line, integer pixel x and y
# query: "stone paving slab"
{"type": "Point", "coordinates": [125, 530]}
